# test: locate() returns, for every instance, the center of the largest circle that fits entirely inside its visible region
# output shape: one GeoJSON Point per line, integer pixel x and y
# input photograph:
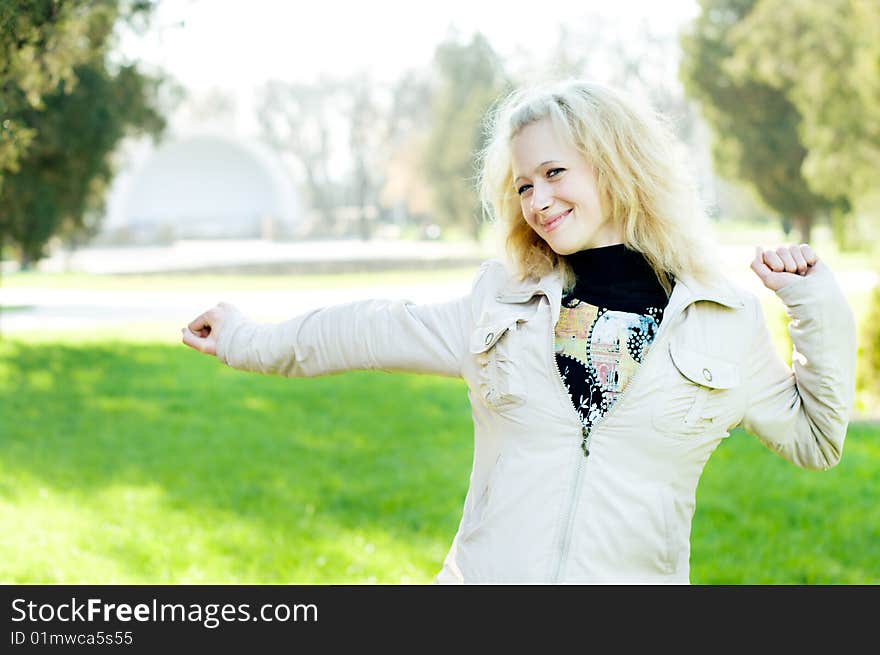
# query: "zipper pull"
{"type": "Point", "coordinates": [585, 443]}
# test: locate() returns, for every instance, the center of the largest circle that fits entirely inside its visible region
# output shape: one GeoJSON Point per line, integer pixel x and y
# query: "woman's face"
{"type": "Point", "coordinates": [558, 192]}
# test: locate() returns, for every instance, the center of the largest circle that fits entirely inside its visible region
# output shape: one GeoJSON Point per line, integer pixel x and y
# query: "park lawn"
{"type": "Point", "coordinates": [127, 461]}
{"type": "Point", "coordinates": [761, 520]}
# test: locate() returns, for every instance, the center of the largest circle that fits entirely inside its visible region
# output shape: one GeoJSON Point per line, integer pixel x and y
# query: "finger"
{"type": "Point", "coordinates": [799, 259]}
{"type": "Point", "coordinates": [201, 323]}
{"type": "Point", "coordinates": [809, 254]}
{"type": "Point", "coordinates": [785, 255]}
{"type": "Point", "coordinates": [202, 333]}
{"type": "Point", "coordinates": [774, 261]}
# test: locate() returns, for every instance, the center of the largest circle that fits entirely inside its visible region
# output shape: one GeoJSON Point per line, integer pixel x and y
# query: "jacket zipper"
{"type": "Point", "coordinates": [586, 437]}
{"type": "Point", "coordinates": [574, 496]}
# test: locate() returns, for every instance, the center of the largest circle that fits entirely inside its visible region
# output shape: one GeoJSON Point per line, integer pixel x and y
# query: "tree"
{"type": "Point", "coordinates": [63, 170]}
{"type": "Point", "coordinates": [370, 135]}
{"type": "Point", "coordinates": [756, 127]}
{"type": "Point", "coordinates": [405, 188]}
{"type": "Point", "coordinates": [40, 43]}
{"type": "Point", "coordinates": [470, 79]}
{"type": "Point", "coordinates": [824, 57]}
{"type": "Point", "coordinates": [298, 119]}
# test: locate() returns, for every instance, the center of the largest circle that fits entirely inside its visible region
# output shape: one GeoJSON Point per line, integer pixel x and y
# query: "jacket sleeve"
{"type": "Point", "coordinates": [802, 412]}
{"type": "Point", "coordinates": [389, 335]}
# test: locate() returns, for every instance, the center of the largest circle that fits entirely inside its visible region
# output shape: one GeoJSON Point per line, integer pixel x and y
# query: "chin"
{"type": "Point", "coordinates": [563, 249]}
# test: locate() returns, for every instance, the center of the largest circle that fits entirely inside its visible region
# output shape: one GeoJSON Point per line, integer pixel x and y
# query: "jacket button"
{"type": "Point", "coordinates": [707, 374]}
{"type": "Point", "coordinates": [489, 338]}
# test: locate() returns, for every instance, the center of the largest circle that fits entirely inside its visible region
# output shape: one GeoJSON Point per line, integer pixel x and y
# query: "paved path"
{"type": "Point", "coordinates": [61, 309]}
{"type": "Point", "coordinates": [255, 254]}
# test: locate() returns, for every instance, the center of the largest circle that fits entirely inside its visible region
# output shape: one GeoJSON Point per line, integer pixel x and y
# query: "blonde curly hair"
{"type": "Point", "coordinates": [643, 186]}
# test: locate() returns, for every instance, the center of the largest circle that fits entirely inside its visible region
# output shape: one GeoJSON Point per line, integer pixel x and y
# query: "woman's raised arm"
{"type": "Point", "coordinates": [802, 412]}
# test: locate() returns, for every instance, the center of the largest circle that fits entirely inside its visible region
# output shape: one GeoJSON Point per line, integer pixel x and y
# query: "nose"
{"type": "Point", "coordinates": [542, 199]}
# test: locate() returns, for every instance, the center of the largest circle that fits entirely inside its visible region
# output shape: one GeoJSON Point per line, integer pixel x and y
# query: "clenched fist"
{"type": "Point", "coordinates": [203, 333]}
{"type": "Point", "coordinates": [779, 268]}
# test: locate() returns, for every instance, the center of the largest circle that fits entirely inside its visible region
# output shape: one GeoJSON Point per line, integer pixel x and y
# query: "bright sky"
{"type": "Point", "coordinates": [234, 44]}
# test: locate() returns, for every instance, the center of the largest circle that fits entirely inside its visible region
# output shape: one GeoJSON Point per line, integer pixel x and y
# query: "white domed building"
{"type": "Point", "coordinates": [201, 186]}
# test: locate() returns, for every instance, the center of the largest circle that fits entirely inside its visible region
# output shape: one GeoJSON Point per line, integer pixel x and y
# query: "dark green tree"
{"type": "Point", "coordinates": [40, 43]}
{"type": "Point", "coordinates": [756, 128]}
{"type": "Point", "coordinates": [825, 56]}
{"type": "Point", "coordinates": [59, 176]}
{"type": "Point", "coordinates": [65, 171]}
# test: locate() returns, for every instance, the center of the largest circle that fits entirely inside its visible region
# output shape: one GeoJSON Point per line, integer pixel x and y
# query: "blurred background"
{"type": "Point", "coordinates": [157, 157]}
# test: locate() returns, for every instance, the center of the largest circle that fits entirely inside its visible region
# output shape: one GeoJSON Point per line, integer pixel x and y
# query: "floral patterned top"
{"type": "Point", "coordinates": [606, 325]}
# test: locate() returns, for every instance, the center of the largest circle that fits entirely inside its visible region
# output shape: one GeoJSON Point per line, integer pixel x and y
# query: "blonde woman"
{"type": "Point", "coordinates": [605, 359]}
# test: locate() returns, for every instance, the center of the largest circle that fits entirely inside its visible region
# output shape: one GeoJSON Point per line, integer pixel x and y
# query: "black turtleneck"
{"type": "Point", "coordinates": [615, 277]}
{"type": "Point", "coordinates": [606, 325]}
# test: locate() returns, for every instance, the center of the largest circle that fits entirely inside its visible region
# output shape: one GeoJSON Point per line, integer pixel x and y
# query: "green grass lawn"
{"type": "Point", "coordinates": [126, 461]}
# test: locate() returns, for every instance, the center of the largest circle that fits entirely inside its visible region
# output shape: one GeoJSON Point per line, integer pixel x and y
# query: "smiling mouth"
{"type": "Point", "coordinates": [551, 225]}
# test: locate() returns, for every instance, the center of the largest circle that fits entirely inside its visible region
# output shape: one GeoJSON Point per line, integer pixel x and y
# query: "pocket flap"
{"type": "Point", "coordinates": [485, 336]}
{"type": "Point", "coordinates": [704, 369]}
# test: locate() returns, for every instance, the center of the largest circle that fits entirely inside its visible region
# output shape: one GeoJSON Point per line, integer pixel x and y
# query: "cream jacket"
{"type": "Point", "coordinates": [549, 502]}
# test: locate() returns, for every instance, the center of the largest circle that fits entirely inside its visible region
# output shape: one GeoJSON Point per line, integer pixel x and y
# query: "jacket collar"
{"type": "Point", "coordinates": [687, 290]}
{"type": "Point", "coordinates": [718, 290]}
{"type": "Point", "coordinates": [519, 291]}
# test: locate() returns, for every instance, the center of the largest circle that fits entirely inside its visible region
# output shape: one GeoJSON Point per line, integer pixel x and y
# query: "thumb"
{"type": "Point", "coordinates": [758, 266]}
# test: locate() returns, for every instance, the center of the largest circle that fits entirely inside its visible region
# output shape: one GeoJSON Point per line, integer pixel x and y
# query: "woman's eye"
{"type": "Point", "coordinates": [523, 188]}
{"type": "Point", "coordinates": [553, 172]}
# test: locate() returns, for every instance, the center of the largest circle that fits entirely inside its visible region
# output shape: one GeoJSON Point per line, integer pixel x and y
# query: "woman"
{"type": "Point", "coordinates": [605, 360]}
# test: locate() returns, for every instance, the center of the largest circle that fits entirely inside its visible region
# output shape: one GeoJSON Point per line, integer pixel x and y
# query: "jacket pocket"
{"type": "Point", "coordinates": [493, 345]}
{"type": "Point", "coordinates": [696, 395]}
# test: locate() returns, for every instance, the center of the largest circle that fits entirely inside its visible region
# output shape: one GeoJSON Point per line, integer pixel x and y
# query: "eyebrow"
{"type": "Point", "coordinates": [543, 163]}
